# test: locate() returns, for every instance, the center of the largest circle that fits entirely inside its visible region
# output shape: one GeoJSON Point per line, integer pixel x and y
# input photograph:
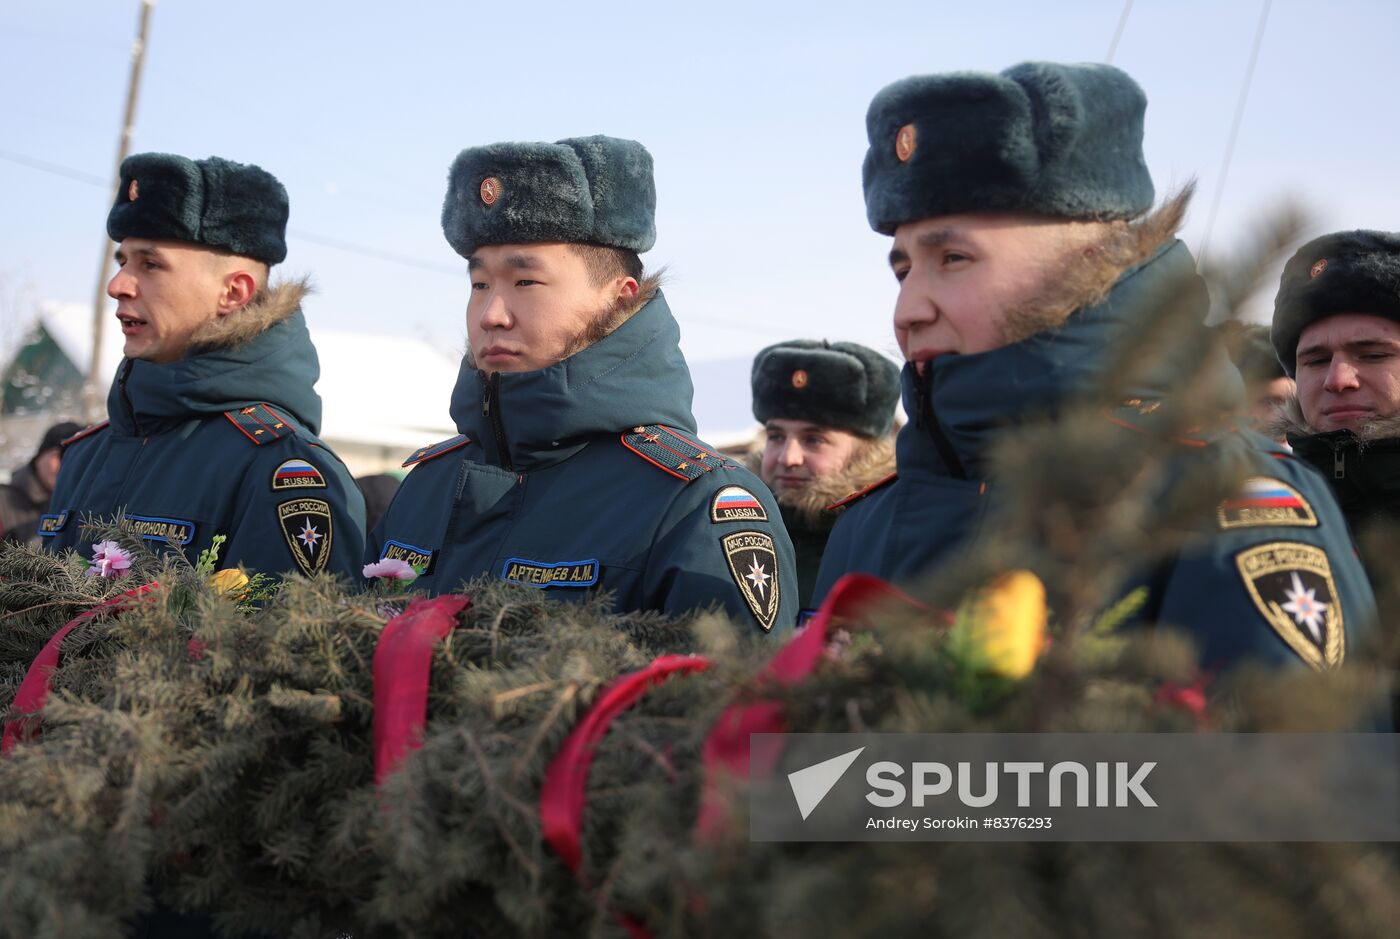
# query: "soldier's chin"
{"type": "Point", "coordinates": [1355, 421]}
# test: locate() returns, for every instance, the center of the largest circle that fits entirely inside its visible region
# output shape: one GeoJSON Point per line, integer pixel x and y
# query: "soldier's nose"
{"type": "Point", "coordinates": [913, 308]}
{"type": "Point", "coordinates": [120, 286]}
{"type": "Point", "coordinates": [1341, 376]}
{"type": "Point", "coordinates": [496, 315]}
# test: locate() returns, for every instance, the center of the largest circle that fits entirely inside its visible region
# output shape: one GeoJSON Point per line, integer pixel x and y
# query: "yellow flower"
{"type": "Point", "coordinates": [230, 580]}
{"type": "Point", "coordinates": [1008, 623]}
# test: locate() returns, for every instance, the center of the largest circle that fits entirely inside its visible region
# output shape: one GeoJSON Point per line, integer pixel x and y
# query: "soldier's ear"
{"type": "Point", "coordinates": [627, 289]}
{"type": "Point", "coordinates": [239, 289]}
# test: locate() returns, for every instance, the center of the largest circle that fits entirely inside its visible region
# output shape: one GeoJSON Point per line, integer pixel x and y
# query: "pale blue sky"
{"type": "Point", "coordinates": [754, 113]}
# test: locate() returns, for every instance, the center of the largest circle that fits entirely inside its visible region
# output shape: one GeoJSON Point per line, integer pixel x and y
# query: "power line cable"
{"type": "Point", "coordinates": [370, 252]}
{"type": "Point", "coordinates": [1234, 131]}
{"type": "Point", "coordinates": [46, 167]}
{"type": "Point", "coordinates": [1118, 33]}
{"type": "Point", "coordinates": [340, 244]}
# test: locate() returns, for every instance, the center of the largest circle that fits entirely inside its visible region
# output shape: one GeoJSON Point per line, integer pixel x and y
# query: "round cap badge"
{"type": "Point", "coordinates": [490, 190]}
{"type": "Point", "coordinates": [132, 191]}
{"type": "Point", "coordinates": [904, 143]}
{"type": "Point", "coordinates": [1318, 268]}
{"type": "Point", "coordinates": [799, 378]}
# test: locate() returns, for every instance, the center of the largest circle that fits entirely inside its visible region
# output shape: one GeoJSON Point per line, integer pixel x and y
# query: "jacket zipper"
{"type": "Point", "coordinates": [1339, 463]}
{"type": "Point", "coordinates": [130, 409]}
{"type": "Point", "coordinates": [925, 418]}
{"type": "Point", "coordinates": [126, 398]}
{"type": "Point", "coordinates": [491, 409]}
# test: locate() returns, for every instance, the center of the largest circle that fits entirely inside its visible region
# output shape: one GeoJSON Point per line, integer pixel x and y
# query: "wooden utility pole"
{"type": "Point", "coordinates": [96, 381]}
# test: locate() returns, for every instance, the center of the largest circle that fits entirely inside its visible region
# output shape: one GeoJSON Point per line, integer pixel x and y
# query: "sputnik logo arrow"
{"type": "Point", "coordinates": [810, 785]}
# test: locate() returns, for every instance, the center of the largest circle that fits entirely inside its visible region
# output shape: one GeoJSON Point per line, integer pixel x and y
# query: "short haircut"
{"type": "Point", "coordinates": [604, 263]}
{"type": "Point", "coordinates": [223, 261]}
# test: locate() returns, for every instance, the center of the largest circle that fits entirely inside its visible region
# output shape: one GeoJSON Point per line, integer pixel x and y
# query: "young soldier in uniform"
{"type": "Point", "coordinates": [1337, 330]}
{"type": "Point", "coordinates": [576, 468]}
{"type": "Point", "coordinates": [212, 418]}
{"type": "Point", "coordinates": [1023, 247]}
{"type": "Point", "coordinates": [827, 410]}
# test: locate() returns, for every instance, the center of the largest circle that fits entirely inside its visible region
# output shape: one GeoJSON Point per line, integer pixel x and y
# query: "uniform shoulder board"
{"type": "Point", "coordinates": [673, 452]}
{"type": "Point", "coordinates": [1140, 415]}
{"type": "Point", "coordinates": [260, 423]}
{"type": "Point", "coordinates": [862, 493]}
{"type": "Point", "coordinates": [85, 432]}
{"type": "Point", "coordinates": [432, 450]}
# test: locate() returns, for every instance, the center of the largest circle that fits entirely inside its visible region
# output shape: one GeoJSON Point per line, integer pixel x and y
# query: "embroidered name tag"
{"type": "Point", "coordinates": [50, 525]}
{"type": "Point", "coordinates": [154, 528]}
{"type": "Point", "coordinates": [420, 559]}
{"type": "Point", "coordinates": [544, 574]}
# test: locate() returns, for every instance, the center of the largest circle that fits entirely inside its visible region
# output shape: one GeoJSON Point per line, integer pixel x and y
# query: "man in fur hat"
{"type": "Point", "coordinates": [212, 417]}
{"type": "Point", "coordinates": [1267, 386]}
{"type": "Point", "coordinates": [24, 498]}
{"type": "Point", "coordinates": [577, 469]}
{"type": "Point", "coordinates": [1024, 248]}
{"type": "Point", "coordinates": [1336, 329]}
{"type": "Point", "coordinates": [827, 410]}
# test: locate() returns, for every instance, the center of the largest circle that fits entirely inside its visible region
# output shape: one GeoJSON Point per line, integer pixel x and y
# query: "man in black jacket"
{"type": "Point", "coordinates": [24, 498]}
{"type": "Point", "coordinates": [827, 410]}
{"type": "Point", "coordinates": [1336, 329]}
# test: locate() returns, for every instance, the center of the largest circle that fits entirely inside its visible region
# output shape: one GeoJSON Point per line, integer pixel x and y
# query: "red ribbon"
{"type": "Point", "coordinates": [1190, 698]}
{"type": "Point", "coordinates": [563, 796]}
{"type": "Point", "coordinates": [725, 755]}
{"type": "Point", "coordinates": [402, 659]}
{"type": "Point", "coordinates": [34, 691]}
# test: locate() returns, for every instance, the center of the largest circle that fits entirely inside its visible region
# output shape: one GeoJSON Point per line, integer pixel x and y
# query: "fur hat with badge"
{"type": "Point", "coordinates": [1344, 272]}
{"type": "Point", "coordinates": [831, 384]}
{"type": "Point", "coordinates": [594, 190]}
{"type": "Point", "coordinates": [215, 202]}
{"type": "Point", "coordinates": [1040, 138]}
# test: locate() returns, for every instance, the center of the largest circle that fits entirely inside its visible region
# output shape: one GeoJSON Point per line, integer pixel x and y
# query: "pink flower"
{"type": "Point", "coordinates": [109, 560]}
{"type": "Point", "coordinates": [391, 569]}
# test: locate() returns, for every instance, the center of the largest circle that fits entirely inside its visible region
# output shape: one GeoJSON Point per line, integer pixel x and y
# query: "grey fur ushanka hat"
{"type": "Point", "coordinates": [1254, 356]}
{"type": "Point", "coordinates": [214, 202]}
{"type": "Point", "coordinates": [1040, 138]}
{"type": "Point", "coordinates": [1344, 272]}
{"type": "Point", "coordinates": [831, 384]}
{"type": "Point", "coordinates": [594, 190]}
